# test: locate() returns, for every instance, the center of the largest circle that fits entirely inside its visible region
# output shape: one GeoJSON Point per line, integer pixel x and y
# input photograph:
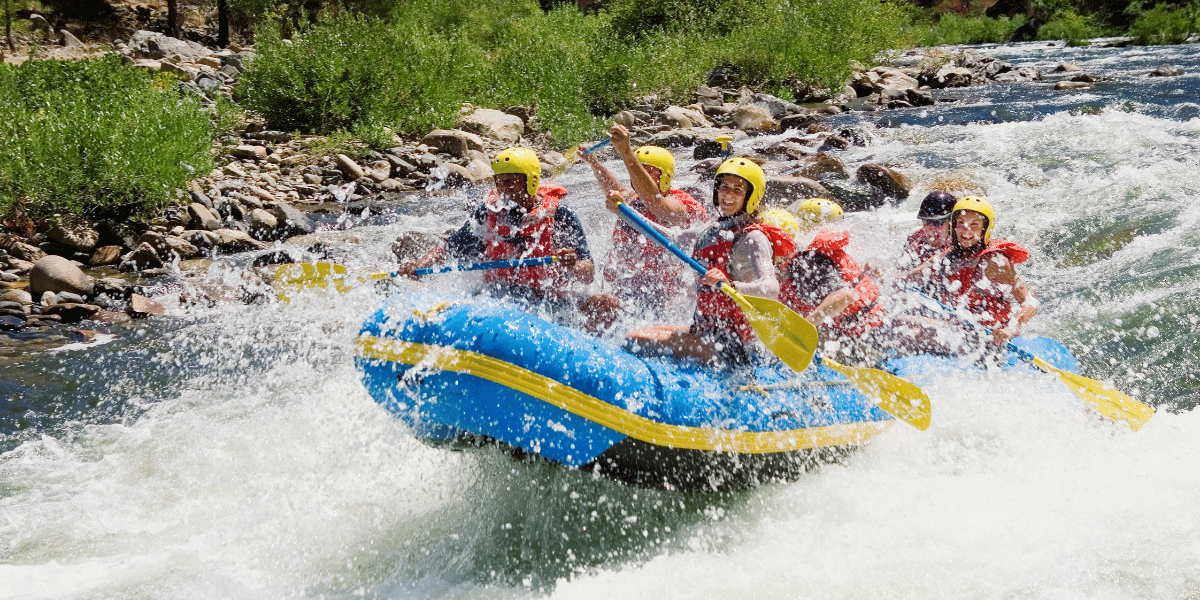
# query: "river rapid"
{"type": "Point", "coordinates": [231, 452]}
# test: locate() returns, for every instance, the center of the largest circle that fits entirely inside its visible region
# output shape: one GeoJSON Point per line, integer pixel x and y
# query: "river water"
{"type": "Point", "coordinates": [230, 452]}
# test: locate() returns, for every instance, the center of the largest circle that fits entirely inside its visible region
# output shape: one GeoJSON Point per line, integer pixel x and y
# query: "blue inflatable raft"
{"type": "Point", "coordinates": [483, 372]}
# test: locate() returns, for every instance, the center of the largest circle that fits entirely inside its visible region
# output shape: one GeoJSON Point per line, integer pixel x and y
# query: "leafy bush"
{"type": "Point", "coordinates": [93, 135]}
{"type": "Point", "coordinates": [954, 29]}
{"type": "Point", "coordinates": [412, 71]}
{"type": "Point", "coordinates": [1069, 27]}
{"type": "Point", "coordinates": [351, 71]}
{"type": "Point", "coordinates": [1165, 24]}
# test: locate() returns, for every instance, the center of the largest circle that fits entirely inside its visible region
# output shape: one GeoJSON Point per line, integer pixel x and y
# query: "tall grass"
{"type": "Point", "coordinates": [412, 71]}
{"type": "Point", "coordinates": [95, 135]}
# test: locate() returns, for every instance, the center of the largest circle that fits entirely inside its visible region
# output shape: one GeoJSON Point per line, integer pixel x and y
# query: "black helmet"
{"type": "Point", "coordinates": [936, 207]}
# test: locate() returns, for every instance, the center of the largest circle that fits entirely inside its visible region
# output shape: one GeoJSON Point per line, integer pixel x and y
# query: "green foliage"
{"type": "Point", "coordinates": [351, 71]}
{"type": "Point", "coordinates": [95, 134]}
{"type": "Point", "coordinates": [1164, 24]}
{"type": "Point", "coordinates": [954, 29]}
{"type": "Point", "coordinates": [412, 71]}
{"type": "Point", "coordinates": [1074, 29]}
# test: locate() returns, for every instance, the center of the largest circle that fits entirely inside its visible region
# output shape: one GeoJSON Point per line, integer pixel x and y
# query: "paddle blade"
{"type": "Point", "coordinates": [291, 278]}
{"type": "Point", "coordinates": [896, 396]}
{"type": "Point", "coordinates": [1110, 402]}
{"type": "Point", "coordinates": [786, 334]}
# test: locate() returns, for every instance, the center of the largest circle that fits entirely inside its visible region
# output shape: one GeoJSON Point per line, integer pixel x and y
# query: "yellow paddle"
{"type": "Point", "coordinates": [785, 333]}
{"type": "Point", "coordinates": [297, 276]}
{"type": "Point", "coordinates": [896, 396]}
{"type": "Point", "coordinates": [1111, 403]}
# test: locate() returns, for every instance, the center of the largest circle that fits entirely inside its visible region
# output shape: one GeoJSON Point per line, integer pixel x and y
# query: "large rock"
{"type": "Point", "coordinates": [57, 274]}
{"type": "Point", "coordinates": [151, 44]}
{"type": "Point", "coordinates": [19, 249]}
{"type": "Point", "coordinates": [455, 142]}
{"type": "Point", "coordinates": [749, 117]}
{"type": "Point", "coordinates": [140, 259]}
{"type": "Point", "coordinates": [292, 222]}
{"type": "Point", "coordinates": [885, 181]}
{"type": "Point", "coordinates": [263, 225]}
{"type": "Point", "coordinates": [351, 170]}
{"type": "Point", "coordinates": [232, 240]}
{"type": "Point", "coordinates": [778, 107]}
{"type": "Point", "coordinates": [494, 124]}
{"type": "Point", "coordinates": [105, 255]}
{"type": "Point", "coordinates": [786, 190]}
{"type": "Point", "coordinates": [203, 218]}
{"type": "Point", "coordinates": [74, 233]}
{"type": "Point", "coordinates": [950, 76]}
{"type": "Point", "coordinates": [820, 165]}
{"type": "Point", "coordinates": [169, 247]}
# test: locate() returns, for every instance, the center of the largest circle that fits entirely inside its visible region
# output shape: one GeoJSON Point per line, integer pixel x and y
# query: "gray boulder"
{"type": "Point", "coordinates": [140, 259]}
{"type": "Point", "coordinates": [494, 124]}
{"type": "Point", "coordinates": [292, 222]}
{"type": "Point", "coordinates": [455, 142]}
{"type": "Point", "coordinates": [151, 44]}
{"type": "Point", "coordinates": [57, 274]}
{"type": "Point", "coordinates": [786, 190]}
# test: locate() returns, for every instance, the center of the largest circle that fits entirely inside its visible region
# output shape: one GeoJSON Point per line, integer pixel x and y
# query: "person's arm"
{"type": "Point", "coordinates": [572, 247]}
{"type": "Point", "coordinates": [604, 177]}
{"type": "Point", "coordinates": [463, 243]}
{"type": "Point", "coordinates": [831, 306]}
{"type": "Point", "coordinates": [684, 238]}
{"type": "Point", "coordinates": [665, 207]}
{"type": "Point", "coordinates": [1000, 271]}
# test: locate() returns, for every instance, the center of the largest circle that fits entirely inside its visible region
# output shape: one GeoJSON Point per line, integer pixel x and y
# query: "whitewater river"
{"type": "Point", "coordinates": [231, 452]}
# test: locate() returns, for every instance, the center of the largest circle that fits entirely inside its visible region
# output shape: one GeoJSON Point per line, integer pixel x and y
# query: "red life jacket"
{"type": "Point", "coordinates": [863, 313]}
{"type": "Point", "coordinates": [713, 250]}
{"type": "Point", "coordinates": [534, 236]}
{"type": "Point", "coordinates": [962, 283]}
{"type": "Point", "coordinates": [920, 245]}
{"type": "Point", "coordinates": [635, 253]}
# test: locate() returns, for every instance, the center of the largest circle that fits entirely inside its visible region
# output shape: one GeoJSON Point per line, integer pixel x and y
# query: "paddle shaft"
{"type": "Point", "coordinates": [662, 240]}
{"type": "Point", "coordinates": [598, 146]}
{"type": "Point", "coordinates": [484, 266]}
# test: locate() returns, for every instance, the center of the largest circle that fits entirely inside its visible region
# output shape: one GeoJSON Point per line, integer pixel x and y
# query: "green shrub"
{"type": "Point", "coordinates": [354, 70]}
{"type": "Point", "coordinates": [954, 29]}
{"type": "Point", "coordinates": [92, 135]}
{"type": "Point", "coordinates": [413, 71]}
{"type": "Point", "coordinates": [1165, 24]}
{"type": "Point", "coordinates": [1074, 29]}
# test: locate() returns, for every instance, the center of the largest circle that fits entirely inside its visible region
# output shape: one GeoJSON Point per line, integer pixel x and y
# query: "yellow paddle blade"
{"type": "Point", "coordinates": [1110, 402]}
{"type": "Point", "coordinates": [896, 396]}
{"type": "Point", "coordinates": [785, 333]}
{"type": "Point", "coordinates": [291, 278]}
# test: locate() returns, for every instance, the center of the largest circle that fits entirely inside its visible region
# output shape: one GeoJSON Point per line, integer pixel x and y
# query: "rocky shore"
{"type": "Point", "coordinates": [76, 273]}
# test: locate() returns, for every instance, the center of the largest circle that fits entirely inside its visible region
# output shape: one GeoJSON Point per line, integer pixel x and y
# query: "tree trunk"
{"type": "Point", "coordinates": [8, 28]}
{"type": "Point", "coordinates": [172, 18]}
{"type": "Point", "coordinates": [222, 23]}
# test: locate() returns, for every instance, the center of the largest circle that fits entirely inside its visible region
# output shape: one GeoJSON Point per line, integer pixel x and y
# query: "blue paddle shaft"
{"type": "Point", "coordinates": [483, 266]}
{"type": "Point", "coordinates": [654, 234]}
{"type": "Point", "coordinates": [597, 146]}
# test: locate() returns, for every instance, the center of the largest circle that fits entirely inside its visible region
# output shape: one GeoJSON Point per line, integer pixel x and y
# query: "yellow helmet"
{"type": "Point", "coordinates": [522, 161]}
{"type": "Point", "coordinates": [781, 219]}
{"type": "Point", "coordinates": [979, 205]}
{"type": "Point", "coordinates": [661, 159]}
{"type": "Point", "coordinates": [748, 170]}
{"type": "Point", "coordinates": [815, 212]}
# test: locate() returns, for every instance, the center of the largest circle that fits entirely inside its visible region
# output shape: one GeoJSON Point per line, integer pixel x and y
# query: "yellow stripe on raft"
{"type": "Point", "coordinates": [613, 417]}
